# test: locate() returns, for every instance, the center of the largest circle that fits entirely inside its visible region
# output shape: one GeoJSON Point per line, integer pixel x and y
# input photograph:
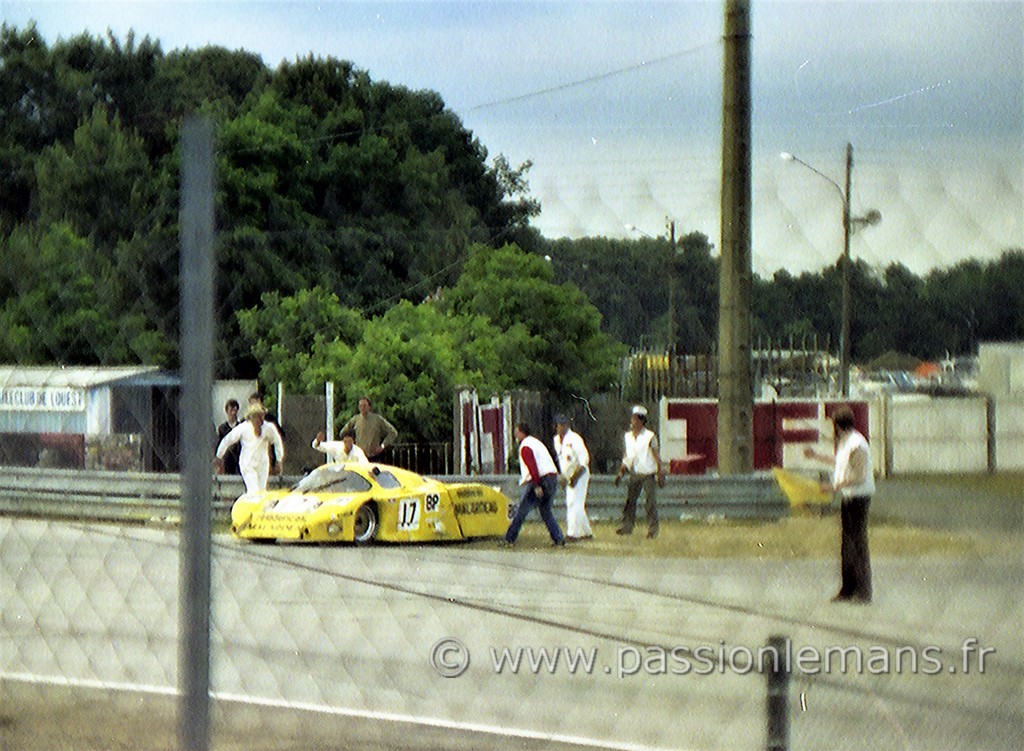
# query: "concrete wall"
{"type": "Point", "coordinates": [1009, 434]}
{"type": "Point", "coordinates": [302, 417]}
{"type": "Point", "coordinates": [1001, 369]}
{"type": "Point", "coordinates": [936, 434]}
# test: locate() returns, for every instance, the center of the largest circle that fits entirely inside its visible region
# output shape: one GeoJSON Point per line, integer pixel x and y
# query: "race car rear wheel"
{"type": "Point", "coordinates": [364, 528]}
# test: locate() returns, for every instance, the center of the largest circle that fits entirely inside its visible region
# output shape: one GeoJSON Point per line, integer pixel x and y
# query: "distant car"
{"type": "Point", "coordinates": [359, 503]}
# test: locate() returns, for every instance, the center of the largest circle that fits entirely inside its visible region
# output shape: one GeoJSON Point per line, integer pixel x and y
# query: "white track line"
{"type": "Point", "coordinates": [432, 722]}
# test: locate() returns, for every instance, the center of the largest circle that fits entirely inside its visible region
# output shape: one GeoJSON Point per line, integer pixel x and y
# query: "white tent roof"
{"type": "Point", "coordinates": [12, 376]}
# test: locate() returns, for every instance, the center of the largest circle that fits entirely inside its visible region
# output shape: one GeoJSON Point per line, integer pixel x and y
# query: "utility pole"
{"type": "Point", "coordinates": [671, 285]}
{"type": "Point", "coordinates": [735, 391]}
{"type": "Point", "coordinates": [850, 225]}
{"type": "Point", "coordinates": [198, 162]}
{"type": "Point", "coordinates": [844, 328]}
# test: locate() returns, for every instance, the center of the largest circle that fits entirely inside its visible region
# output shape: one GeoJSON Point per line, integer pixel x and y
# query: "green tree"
{"type": "Point", "coordinates": [624, 279]}
{"type": "Point", "coordinates": [900, 320]}
{"type": "Point", "coordinates": [58, 300]}
{"type": "Point", "coordinates": [410, 361]}
{"type": "Point", "coordinates": [560, 346]}
{"type": "Point", "coordinates": [801, 306]}
{"type": "Point", "coordinates": [301, 340]}
{"type": "Point", "coordinates": [33, 112]}
{"type": "Point", "coordinates": [696, 274]}
{"type": "Point", "coordinates": [209, 79]}
{"type": "Point", "coordinates": [1000, 313]}
{"type": "Point", "coordinates": [102, 185]}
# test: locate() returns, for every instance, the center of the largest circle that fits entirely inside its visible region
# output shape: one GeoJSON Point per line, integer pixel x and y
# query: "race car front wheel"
{"type": "Point", "coordinates": [364, 528]}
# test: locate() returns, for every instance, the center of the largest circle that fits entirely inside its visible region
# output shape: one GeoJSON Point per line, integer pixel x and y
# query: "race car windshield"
{"type": "Point", "coordinates": [333, 479]}
{"type": "Point", "coordinates": [387, 480]}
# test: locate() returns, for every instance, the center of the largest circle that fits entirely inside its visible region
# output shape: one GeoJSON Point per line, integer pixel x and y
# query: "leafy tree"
{"type": "Point", "coordinates": [624, 279]}
{"type": "Point", "coordinates": [797, 307]}
{"type": "Point", "coordinates": [101, 186]}
{"type": "Point", "coordinates": [59, 305]}
{"type": "Point", "coordinates": [300, 339]}
{"type": "Point", "coordinates": [26, 108]}
{"type": "Point", "coordinates": [696, 304]}
{"type": "Point", "coordinates": [38, 103]}
{"type": "Point", "coordinates": [209, 79]}
{"type": "Point", "coordinates": [561, 348]}
{"type": "Point", "coordinates": [1000, 314]}
{"type": "Point", "coordinates": [374, 194]}
{"type": "Point", "coordinates": [410, 361]}
{"type": "Point", "coordinates": [900, 321]}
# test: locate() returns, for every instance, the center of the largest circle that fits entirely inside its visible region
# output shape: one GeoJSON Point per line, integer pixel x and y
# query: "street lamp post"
{"type": "Point", "coordinates": [850, 224]}
{"type": "Point", "coordinates": [671, 225]}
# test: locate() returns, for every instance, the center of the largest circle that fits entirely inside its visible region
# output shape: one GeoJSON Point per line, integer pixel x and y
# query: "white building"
{"type": "Point", "coordinates": [89, 417]}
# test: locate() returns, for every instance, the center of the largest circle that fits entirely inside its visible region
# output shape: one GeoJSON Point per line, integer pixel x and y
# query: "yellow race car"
{"type": "Point", "coordinates": [356, 502]}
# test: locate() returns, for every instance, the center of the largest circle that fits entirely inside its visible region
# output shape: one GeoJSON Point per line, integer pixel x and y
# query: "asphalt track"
{"type": "Point", "coordinates": [325, 647]}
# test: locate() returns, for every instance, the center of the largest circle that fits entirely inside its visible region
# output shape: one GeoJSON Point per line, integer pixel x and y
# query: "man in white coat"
{"type": "Point", "coordinates": [256, 437]}
{"type": "Point", "coordinates": [574, 464]}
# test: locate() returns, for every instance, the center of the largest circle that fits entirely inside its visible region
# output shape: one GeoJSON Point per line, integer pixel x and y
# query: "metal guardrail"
{"type": "Point", "coordinates": [144, 497]}
{"type": "Point", "coordinates": [752, 496]}
{"type": "Point", "coordinates": [115, 496]}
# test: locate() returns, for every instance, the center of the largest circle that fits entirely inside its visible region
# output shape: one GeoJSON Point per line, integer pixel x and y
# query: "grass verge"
{"type": "Point", "coordinates": [800, 536]}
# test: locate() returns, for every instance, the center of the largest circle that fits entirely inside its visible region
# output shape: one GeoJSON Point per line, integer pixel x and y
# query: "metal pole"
{"type": "Point", "coordinates": [329, 410]}
{"type": "Point", "coordinates": [197, 328]}
{"type": "Point", "coordinates": [777, 704]}
{"type": "Point", "coordinates": [844, 333]}
{"type": "Point", "coordinates": [735, 391]}
{"type": "Point", "coordinates": [672, 285]}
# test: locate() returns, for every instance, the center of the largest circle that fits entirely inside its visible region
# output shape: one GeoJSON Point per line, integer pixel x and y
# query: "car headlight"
{"type": "Point", "coordinates": [334, 527]}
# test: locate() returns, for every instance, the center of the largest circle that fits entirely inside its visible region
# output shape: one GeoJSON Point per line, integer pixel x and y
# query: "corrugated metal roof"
{"type": "Point", "coordinates": [80, 376]}
{"type": "Point", "coordinates": [156, 378]}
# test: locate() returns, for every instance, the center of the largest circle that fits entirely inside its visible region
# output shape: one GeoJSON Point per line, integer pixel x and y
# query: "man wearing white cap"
{"type": "Point", "coordinates": [574, 463]}
{"type": "Point", "coordinates": [643, 463]}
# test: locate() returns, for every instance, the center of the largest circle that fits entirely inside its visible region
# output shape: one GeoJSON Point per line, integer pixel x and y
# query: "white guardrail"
{"type": "Point", "coordinates": [143, 497]}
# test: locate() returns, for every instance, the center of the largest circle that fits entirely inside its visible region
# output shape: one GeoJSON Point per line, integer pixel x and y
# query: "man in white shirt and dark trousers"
{"type": "Point", "coordinates": [642, 462]}
{"type": "Point", "coordinates": [574, 463]}
{"type": "Point", "coordinates": [854, 479]}
{"type": "Point", "coordinates": [539, 480]}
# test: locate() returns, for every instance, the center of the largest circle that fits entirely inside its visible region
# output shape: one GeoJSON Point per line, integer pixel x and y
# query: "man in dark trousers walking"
{"type": "Point", "coordinates": [539, 480]}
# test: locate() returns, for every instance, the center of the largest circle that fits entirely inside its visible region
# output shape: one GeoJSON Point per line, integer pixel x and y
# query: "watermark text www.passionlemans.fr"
{"type": "Point", "coordinates": [451, 658]}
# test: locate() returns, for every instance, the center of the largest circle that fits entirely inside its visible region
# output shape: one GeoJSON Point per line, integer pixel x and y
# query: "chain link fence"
{"type": "Point", "coordinates": [113, 636]}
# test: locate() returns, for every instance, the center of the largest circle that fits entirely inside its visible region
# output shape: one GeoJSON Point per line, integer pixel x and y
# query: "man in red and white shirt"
{"type": "Point", "coordinates": [539, 480]}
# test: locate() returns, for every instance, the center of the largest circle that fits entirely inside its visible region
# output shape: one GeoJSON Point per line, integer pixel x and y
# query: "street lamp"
{"type": "Point", "coordinates": [850, 225]}
{"type": "Point", "coordinates": [671, 225]}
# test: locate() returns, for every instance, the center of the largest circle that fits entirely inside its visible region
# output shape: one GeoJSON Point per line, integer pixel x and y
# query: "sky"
{"type": "Point", "coordinates": [618, 107]}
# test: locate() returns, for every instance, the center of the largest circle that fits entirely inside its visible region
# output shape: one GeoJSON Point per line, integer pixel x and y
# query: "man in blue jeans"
{"type": "Point", "coordinates": [539, 480]}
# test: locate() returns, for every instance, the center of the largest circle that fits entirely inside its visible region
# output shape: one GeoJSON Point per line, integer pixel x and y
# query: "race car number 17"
{"type": "Point", "coordinates": [409, 514]}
